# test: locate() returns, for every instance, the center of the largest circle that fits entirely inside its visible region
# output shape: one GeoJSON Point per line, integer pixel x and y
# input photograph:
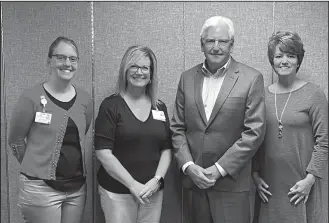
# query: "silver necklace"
{"type": "Point", "coordinates": [134, 103]}
{"type": "Point", "coordinates": [280, 126]}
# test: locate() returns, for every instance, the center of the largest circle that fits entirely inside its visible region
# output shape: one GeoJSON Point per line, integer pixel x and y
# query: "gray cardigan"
{"type": "Point", "coordinates": [37, 146]}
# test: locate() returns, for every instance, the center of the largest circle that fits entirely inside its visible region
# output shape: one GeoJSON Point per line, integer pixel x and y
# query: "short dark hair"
{"type": "Point", "coordinates": [289, 42]}
{"type": "Point", "coordinates": [57, 42]}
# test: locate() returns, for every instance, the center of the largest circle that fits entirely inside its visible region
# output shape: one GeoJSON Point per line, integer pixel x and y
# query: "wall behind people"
{"type": "Point", "coordinates": [171, 30]}
{"type": "Point", "coordinates": [28, 30]}
{"type": "Point", "coordinates": [310, 21]}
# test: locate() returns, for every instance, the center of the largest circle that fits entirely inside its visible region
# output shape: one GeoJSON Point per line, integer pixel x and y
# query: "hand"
{"type": "Point", "coordinates": [136, 189]}
{"type": "Point", "coordinates": [214, 173]}
{"type": "Point", "coordinates": [198, 175]}
{"type": "Point", "coordinates": [261, 187]}
{"type": "Point", "coordinates": [150, 188]}
{"type": "Point", "coordinates": [301, 189]}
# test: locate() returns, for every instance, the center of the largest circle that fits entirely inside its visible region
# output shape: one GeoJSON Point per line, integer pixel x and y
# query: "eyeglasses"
{"type": "Point", "coordinates": [62, 58]}
{"type": "Point", "coordinates": [144, 69]}
{"type": "Point", "coordinates": [210, 43]}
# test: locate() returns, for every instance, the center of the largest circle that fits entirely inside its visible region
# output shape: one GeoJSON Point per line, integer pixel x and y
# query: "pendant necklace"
{"type": "Point", "coordinates": [280, 126]}
{"type": "Point", "coordinates": [137, 108]}
{"type": "Point", "coordinates": [134, 103]}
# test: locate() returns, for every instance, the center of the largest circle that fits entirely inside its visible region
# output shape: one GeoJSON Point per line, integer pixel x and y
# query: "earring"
{"type": "Point", "coordinates": [150, 82]}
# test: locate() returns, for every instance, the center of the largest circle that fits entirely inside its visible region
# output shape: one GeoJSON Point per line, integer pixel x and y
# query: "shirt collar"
{"type": "Point", "coordinates": [221, 71]}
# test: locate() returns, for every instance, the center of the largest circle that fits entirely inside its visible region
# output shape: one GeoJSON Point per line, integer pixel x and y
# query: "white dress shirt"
{"type": "Point", "coordinates": [212, 84]}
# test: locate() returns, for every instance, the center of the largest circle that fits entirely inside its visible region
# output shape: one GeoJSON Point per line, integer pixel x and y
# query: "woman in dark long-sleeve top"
{"type": "Point", "coordinates": [290, 166]}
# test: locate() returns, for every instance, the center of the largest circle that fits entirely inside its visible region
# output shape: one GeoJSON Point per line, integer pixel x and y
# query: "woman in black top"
{"type": "Point", "coordinates": [133, 143]}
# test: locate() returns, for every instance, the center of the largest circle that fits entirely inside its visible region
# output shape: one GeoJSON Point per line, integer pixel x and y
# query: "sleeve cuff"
{"type": "Point", "coordinates": [221, 170]}
{"type": "Point", "coordinates": [186, 165]}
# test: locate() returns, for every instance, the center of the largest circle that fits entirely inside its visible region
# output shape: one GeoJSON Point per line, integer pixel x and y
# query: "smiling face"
{"type": "Point", "coordinates": [284, 63]}
{"type": "Point", "coordinates": [219, 53]}
{"type": "Point", "coordinates": [63, 69]}
{"type": "Point", "coordinates": [139, 74]}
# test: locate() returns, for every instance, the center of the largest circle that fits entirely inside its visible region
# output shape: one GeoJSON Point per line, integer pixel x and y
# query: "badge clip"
{"type": "Point", "coordinates": [43, 102]}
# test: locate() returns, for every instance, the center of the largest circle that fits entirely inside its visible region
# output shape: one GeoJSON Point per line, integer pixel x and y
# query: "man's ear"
{"type": "Point", "coordinates": [202, 50]}
{"type": "Point", "coordinates": [232, 46]}
{"type": "Point", "coordinates": [48, 61]}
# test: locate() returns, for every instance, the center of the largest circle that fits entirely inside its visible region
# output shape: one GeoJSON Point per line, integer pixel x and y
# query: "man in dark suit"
{"type": "Point", "coordinates": [218, 124]}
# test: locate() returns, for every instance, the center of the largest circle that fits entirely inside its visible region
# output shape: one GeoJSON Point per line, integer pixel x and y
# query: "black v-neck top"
{"type": "Point", "coordinates": [136, 144]}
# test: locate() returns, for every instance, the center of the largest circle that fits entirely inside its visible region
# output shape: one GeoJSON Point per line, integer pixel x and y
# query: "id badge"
{"type": "Point", "coordinates": [159, 115]}
{"type": "Point", "coordinates": [42, 117]}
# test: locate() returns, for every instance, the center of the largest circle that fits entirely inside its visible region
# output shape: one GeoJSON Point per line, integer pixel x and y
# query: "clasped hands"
{"type": "Point", "coordinates": [299, 191]}
{"type": "Point", "coordinates": [203, 178]}
{"type": "Point", "coordinates": [142, 192]}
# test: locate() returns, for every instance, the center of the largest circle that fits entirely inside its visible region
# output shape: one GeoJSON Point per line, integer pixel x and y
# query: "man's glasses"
{"type": "Point", "coordinates": [62, 58]}
{"type": "Point", "coordinates": [210, 43]}
{"type": "Point", "coordinates": [144, 69]}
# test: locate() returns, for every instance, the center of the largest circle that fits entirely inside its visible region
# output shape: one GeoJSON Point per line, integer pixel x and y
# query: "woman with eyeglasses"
{"type": "Point", "coordinates": [133, 142]}
{"type": "Point", "coordinates": [47, 133]}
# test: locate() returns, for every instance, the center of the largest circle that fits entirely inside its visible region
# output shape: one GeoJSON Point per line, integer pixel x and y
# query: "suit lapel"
{"type": "Point", "coordinates": [198, 82]}
{"type": "Point", "coordinates": [229, 81]}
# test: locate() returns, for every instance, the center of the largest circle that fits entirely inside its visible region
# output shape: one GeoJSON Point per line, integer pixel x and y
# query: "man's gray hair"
{"type": "Point", "coordinates": [216, 21]}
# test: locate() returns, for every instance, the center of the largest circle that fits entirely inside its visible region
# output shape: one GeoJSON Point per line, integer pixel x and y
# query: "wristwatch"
{"type": "Point", "coordinates": [160, 180]}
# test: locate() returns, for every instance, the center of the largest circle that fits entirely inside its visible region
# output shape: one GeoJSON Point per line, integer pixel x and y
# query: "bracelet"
{"type": "Point", "coordinates": [160, 180]}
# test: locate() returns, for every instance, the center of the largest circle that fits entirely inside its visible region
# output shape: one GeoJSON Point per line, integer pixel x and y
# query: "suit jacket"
{"type": "Point", "coordinates": [235, 129]}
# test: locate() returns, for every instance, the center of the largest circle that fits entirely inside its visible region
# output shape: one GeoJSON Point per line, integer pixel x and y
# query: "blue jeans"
{"type": "Point", "coordinates": [41, 203]}
{"type": "Point", "coordinates": [125, 208]}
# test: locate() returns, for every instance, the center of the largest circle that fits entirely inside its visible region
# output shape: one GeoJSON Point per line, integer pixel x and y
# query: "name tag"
{"type": "Point", "coordinates": [42, 117]}
{"type": "Point", "coordinates": [158, 115]}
